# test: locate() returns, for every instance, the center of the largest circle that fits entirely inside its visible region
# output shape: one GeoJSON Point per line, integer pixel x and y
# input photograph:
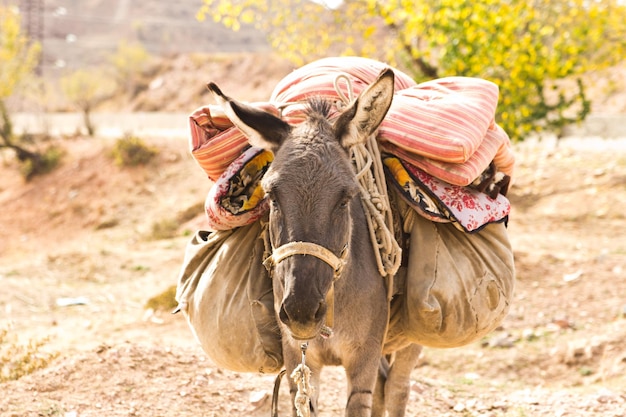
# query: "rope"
{"type": "Point", "coordinates": [343, 100]}
{"type": "Point", "coordinates": [302, 377]}
{"type": "Point", "coordinates": [275, 393]}
{"type": "Point", "coordinates": [367, 163]}
{"type": "Point", "coordinates": [370, 174]}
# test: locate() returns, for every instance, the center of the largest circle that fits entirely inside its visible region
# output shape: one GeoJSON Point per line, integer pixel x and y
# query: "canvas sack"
{"type": "Point", "coordinates": [458, 286]}
{"type": "Point", "coordinates": [226, 295]}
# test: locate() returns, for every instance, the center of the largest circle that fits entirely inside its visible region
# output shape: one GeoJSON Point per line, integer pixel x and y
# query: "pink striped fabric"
{"type": "Point", "coordinates": [444, 119]}
{"type": "Point", "coordinates": [445, 126]}
{"type": "Point", "coordinates": [317, 79]}
{"type": "Point", "coordinates": [495, 146]}
{"type": "Point", "coordinates": [215, 143]}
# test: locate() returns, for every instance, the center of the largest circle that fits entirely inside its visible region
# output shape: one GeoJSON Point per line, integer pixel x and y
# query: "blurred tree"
{"type": "Point", "coordinates": [86, 89]}
{"type": "Point", "coordinates": [129, 61]}
{"type": "Point", "coordinates": [536, 51]}
{"type": "Point", "coordinates": [18, 59]}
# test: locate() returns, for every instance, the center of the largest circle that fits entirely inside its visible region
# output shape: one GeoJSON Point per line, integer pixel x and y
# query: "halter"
{"type": "Point", "coordinates": [335, 262]}
{"type": "Point", "coordinates": [308, 248]}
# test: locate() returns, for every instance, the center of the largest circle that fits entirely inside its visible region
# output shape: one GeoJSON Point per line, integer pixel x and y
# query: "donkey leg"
{"type": "Point", "coordinates": [378, 401]}
{"type": "Point", "coordinates": [397, 386]}
{"type": "Point", "coordinates": [361, 375]}
{"type": "Point", "coordinates": [315, 387]}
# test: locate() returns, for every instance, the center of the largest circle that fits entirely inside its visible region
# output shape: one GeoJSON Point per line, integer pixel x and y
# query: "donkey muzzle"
{"type": "Point", "coordinates": [304, 320]}
{"type": "Point", "coordinates": [303, 315]}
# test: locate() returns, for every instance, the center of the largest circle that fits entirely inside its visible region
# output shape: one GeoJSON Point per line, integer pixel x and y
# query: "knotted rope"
{"type": "Point", "coordinates": [367, 164]}
{"type": "Point", "coordinates": [302, 377]}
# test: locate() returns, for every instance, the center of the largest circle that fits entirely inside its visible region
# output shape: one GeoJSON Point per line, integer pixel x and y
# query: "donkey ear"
{"type": "Point", "coordinates": [363, 117]}
{"type": "Point", "coordinates": [262, 129]}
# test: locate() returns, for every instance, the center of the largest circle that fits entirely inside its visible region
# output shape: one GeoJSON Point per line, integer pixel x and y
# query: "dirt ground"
{"type": "Point", "coordinates": [88, 235]}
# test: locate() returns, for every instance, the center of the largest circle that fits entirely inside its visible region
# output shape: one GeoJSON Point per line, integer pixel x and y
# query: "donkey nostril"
{"type": "Point", "coordinates": [282, 314]}
{"type": "Point", "coordinates": [321, 310]}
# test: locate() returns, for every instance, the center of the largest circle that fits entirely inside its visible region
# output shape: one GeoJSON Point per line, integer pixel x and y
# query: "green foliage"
{"type": "Point", "coordinates": [18, 58]}
{"type": "Point", "coordinates": [164, 229]}
{"type": "Point", "coordinates": [168, 228]}
{"type": "Point", "coordinates": [129, 61]}
{"type": "Point", "coordinates": [41, 163]}
{"type": "Point", "coordinates": [86, 89]}
{"type": "Point", "coordinates": [163, 301]}
{"type": "Point", "coordinates": [132, 151]}
{"type": "Point", "coordinates": [191, 212]}
{"type": "Point", "coordinates": [536, 52]}
{"type": "Point", "coordinates": [19, 360]}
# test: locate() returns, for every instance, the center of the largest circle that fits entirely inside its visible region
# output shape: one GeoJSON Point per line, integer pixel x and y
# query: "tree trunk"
{"type": "Point", "coordinates": [22, 154]}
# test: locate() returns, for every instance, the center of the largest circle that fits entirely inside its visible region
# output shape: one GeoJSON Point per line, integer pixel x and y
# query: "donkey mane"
{"type": "Point", "coordinates": [318, 107]}
{"type": "Point", "coordinates": [311, 142]}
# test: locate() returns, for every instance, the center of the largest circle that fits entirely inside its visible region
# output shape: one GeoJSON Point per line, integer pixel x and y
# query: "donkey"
{"type": "Point", "coordinates": [324, 265]}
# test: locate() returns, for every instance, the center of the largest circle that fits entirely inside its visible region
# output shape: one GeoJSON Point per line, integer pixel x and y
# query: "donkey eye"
{"type": "Point", "coordinates": [272, 199]}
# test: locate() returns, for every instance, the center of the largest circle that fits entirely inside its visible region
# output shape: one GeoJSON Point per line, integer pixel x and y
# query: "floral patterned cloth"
{"type": "Point", "coordinates": [436, 200]}
{"type": "Point", "coordinates": [237, 198]}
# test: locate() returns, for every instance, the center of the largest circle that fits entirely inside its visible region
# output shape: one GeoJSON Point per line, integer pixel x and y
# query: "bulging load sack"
{"type": "Point", "coordinates": [226, 295]}
{"type": "Point", "coordinates": [438, 140]}
{"type": "Point", "coordinates": [456, 286]}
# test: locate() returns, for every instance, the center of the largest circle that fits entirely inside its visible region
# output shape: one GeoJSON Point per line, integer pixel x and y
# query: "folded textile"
{"type": "Point", "coordinates": [215, 143]}
{"type": "Point", "coordinates": [436, 200]}
{"type": "Point", "coordinates": [445, 126]}
{"type": "Point", "coordinates": [495, 147]}
{"type": "Point", "coordinates": [444, 119]}
{"type": "Point", "coordinates": [237, 198]}
{"type": "Point", "coordinates": [443, 130]}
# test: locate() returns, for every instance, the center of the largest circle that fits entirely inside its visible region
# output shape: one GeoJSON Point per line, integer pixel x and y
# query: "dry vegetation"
{"type": "Point", "coordinates": [80, 261]}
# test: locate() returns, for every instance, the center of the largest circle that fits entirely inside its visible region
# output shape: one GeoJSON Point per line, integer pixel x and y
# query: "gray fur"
{"type": "Point", "coordinates": [315, 198]}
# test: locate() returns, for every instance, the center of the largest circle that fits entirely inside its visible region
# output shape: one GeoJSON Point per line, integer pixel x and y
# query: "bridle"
{"type": "Point", "coordinates": [337, 263]}
{"type": "Point", "coordinates": [308, 248]}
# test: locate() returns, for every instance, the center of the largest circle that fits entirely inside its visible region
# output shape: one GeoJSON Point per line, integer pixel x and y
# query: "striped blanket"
{"type": "Point", "coordinates": [444, 128]}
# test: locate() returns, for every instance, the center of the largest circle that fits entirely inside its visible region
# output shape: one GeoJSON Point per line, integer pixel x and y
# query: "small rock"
{"type": "Point", "coordinates": [471, 376]}
{"type": "Point", "coordinates": [459, 407]}
{"type": "Point", "coordinates": [71, 301]}
{"type": "Point", "coordinates": [501, 340]}
{"type": "Point", "coordinates": [573, 276]}
{"type": "Point", "coordinates": [563, 323]}
{"type": "Point", "coordinates": [606, 396]}
{"type": "Point", "coordinates": [417, 387]}
{"type": "Point", "coordinates": [529, 334]}
{"type": "Point", "coordinates": [257, 398]}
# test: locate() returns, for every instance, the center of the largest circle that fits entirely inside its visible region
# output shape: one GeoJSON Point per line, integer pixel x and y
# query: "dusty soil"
{"type": "Point", "coordinates": [89, 232]}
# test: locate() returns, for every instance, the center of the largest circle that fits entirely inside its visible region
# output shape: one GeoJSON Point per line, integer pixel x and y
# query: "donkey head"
{"type": "Point", "coordinates": [313, 195]}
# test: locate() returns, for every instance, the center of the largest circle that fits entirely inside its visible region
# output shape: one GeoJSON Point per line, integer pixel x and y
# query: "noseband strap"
{"type": "Point", "coordinates": [307, 248]}
{"type": "Point", "coordinates": [335, 262]}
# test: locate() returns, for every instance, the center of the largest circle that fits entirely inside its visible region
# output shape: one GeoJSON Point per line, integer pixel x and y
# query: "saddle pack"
{"type": "Point", "coordinates": [449, 166]}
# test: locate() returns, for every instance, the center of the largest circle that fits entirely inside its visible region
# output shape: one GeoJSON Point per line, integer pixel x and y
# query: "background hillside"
{"type": "Point", "coordinates": [188, 53]}
{"type": "Point", "coordinates": [79, 33]}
